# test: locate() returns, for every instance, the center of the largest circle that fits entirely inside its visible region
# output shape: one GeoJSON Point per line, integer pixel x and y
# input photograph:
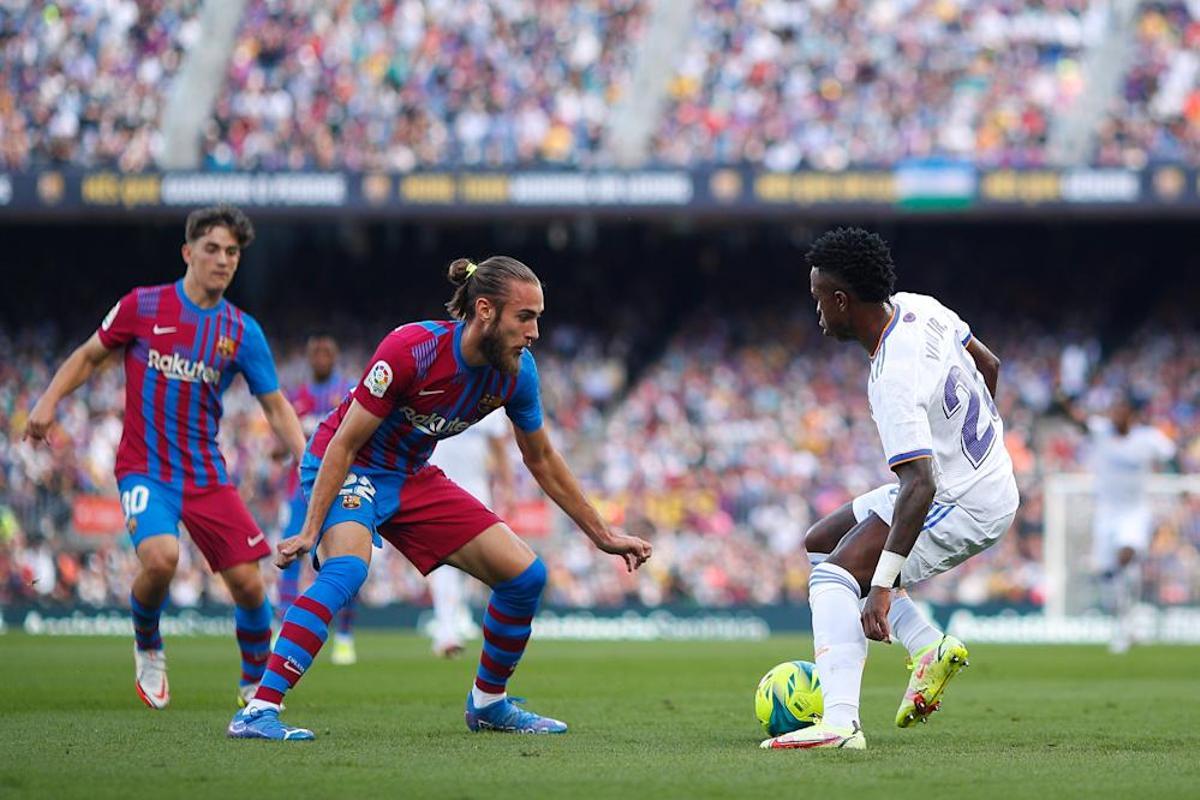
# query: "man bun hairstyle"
{"type": "Point", "coordinates": [489, 278]}
{"type": "Point", "coordinates": [203, 220]}
{"type": "Point", "coordinates": [858, 258]}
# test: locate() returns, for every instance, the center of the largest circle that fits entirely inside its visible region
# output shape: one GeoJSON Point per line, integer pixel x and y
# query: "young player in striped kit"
{"type": "Point", "coordinates": [183, 345]}
{"type": "Point", "coordinates": [366, 475]}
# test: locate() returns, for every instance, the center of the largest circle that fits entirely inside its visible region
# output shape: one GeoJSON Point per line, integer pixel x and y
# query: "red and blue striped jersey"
{"type": "Point", "coordinates": [312, 401]}
{"type": "Point", "coordinates": [179, 360]}
{"type": "Point", "coordinates": [424, 391]}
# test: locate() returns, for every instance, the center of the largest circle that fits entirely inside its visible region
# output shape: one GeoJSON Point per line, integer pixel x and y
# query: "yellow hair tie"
{"type": "Point", "coordinates": [471, 267]}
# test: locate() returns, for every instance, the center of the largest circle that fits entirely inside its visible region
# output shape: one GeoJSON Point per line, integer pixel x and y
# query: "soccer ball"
{"type": "Point", "coordinates": [789, 698]}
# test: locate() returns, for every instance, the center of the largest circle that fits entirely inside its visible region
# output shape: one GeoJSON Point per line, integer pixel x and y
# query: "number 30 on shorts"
{"type": "Point", "coordinates": [134, 501]}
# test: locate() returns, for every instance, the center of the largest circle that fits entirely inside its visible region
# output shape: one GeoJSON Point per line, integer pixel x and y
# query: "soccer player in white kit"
{"type": "Point", "coordinates": [467, 459]}
{"type": "Point", "coordinates": [1121, 454]}
{"type": "Point", "coordinates": [930, 387]}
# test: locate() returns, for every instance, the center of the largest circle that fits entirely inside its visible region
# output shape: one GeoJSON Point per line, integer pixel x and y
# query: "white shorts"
{"type": "Point", "coordinates": [950, 535]}
{"type": "Point", "coordinates": [1115, 528]}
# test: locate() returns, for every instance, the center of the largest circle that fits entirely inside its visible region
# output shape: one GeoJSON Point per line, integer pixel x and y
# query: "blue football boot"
{"type": "Point", "coordinates": [506, 716]}
{"type": "Point", "coordinates": [264, 724]}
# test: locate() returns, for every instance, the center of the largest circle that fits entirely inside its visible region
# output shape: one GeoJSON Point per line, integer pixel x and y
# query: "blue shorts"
{"type": "Point", "coordinates": [216, 518]}
{"type": "Point", "coordinates": [426, 516]}
{"type": "Point", "coordinates": [368, 496]}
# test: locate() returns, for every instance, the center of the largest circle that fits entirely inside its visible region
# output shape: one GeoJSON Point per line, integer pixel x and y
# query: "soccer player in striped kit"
{"type": "Point", "coordinates": [366, 475]}
{"type": "Point", "coordinates": [183, 345]}
{"type": "Point", "coordinates": [312, 400]}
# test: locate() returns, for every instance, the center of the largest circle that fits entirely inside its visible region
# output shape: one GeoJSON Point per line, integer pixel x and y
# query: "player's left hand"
{"type": "Point", "coordinates": [875, 614]}
{"type": "Point", "coordinates": [293, 548]}
{"type": "Point", "coordinates": [633, 549]}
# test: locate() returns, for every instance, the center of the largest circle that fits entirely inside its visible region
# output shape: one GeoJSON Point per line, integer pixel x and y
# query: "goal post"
{"type": "Point", "coordinates": [1068, 516]}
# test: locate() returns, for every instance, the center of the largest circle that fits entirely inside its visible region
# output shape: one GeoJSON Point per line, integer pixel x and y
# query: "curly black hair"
{"type": "Point", "coordinates": [858, 258]}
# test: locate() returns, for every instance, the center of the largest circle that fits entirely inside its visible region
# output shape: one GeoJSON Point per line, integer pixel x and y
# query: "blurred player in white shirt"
{"type": "Point", "coordinates": [1121, 453]}
{"type": "Point", "coordinates": [477, 460]}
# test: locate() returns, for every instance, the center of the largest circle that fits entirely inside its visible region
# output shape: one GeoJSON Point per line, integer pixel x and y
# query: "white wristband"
{"type": "Point", "coordinates": [888, 569]}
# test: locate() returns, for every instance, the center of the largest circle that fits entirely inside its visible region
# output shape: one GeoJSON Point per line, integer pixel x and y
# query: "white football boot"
{"type": "Point", "coordinates": [818, 737]}
{"type": "Point", "coordinates": [150, 677]}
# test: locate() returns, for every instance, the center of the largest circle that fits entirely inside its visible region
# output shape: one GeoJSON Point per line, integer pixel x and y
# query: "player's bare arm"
{"type": "Point", "coordinates": [502, 491]}
{"type": "Point", "coordinates": [353, 432]}
{"type": "Point", "coordinates": [987, 362]}
{"type": "Point", "coordinates": [73, 373]}
{"type": "Point", "coordinates": [551, 472]}
{"type": "Point", "coordinates": [284, 422]}
{"type": "Point", "coordinates": [917, 488]}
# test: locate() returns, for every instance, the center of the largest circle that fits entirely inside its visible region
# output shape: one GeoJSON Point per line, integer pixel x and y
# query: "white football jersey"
{"type": "Point", "coordinates": [1120, 464]}
{"type": "Point", "coordinates": [464, 457]}
{"type": "Point", "coordinates": [929, 400]}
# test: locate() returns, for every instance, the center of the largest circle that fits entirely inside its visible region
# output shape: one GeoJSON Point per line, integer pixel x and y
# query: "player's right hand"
{"type": "Point", "coordinates": [291, 549]}
{"type": "Point", "coordinates": [41, 420]}
{"type": "Point", "coordinates": [633, 549]}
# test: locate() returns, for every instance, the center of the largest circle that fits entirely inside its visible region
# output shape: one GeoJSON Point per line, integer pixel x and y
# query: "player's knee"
{"type": "Point", "coordinates": [819, 541]}
{"type": "Point", "coordinates": [526, 587]}
{"type": "Point", "coordinates": [829, 576]}
{"type": "Point", "coordinates": [346, 574]}
{"type": "Point", "coordinates": [247, 588]}
{"type": "Point", "coordinates": [159, 565]}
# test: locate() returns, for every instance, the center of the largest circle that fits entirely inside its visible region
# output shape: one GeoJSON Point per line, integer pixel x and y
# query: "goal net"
{"type": "Point", "coordinates": [1170, 569]}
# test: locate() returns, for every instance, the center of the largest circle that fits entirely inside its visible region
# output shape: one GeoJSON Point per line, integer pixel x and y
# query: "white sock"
{"type": "Point", "coordinates": [261, 705]}
{"type": "Point", "coordinates": [841, 645]}
{"type": "Point", "coordinates": [909, 625]}
{"type": "Point", "coordinates": [483, 699]}
{"type": "Point", "coordinates": [1128, 589]}
{"type": "Point", "coordinates": [446, 591]}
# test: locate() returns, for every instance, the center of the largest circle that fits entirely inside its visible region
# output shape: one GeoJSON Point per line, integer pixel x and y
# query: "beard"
{"type": "Point", "coordinates": [496, 353]}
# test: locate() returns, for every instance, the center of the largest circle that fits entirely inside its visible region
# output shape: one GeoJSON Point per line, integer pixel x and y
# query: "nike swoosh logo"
{"type": "Point", "coordinates": [158, 330]}
{"type": "Point", "coordinates": [290, 667]}
{"type": "Point", "coordinates": [161, 694]}
{"type": "Point", "coordinates": [425, 392]}
{"type": "Point", "coordinates": [252, 541]}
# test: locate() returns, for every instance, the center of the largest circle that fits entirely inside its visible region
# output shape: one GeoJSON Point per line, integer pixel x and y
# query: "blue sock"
{"type": "Point", "coordinates": [254, 640]}
{"type": "Point", "coordinates": [145, 624]}
{"type": "Point", "coordinates": [507, 624]}
{"type": "Point", "coordinates": [306, 625]}
{"type": "Point", "coordinates": [289, 587]}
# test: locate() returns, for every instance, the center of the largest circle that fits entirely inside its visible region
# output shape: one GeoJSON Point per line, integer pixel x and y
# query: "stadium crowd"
{"type": "Point", "coordinates": [85, 83]}
{"type": "Point", "coordinates": [1156, 115]}
{"type": "Point", "coordinates": [399, 85]}
{"type": "Point", "coordinates": [403, 84]}
{"type": "Point", "coordinates": [827, 84]}
{"type": "Point", "coordinates": [722, 451]}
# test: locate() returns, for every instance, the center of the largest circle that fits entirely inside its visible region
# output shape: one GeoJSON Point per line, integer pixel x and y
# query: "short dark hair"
{"type": "Point", "coordinates": [203, 220]}
{"type": "Point", "coordinates": [858, 258]}
{"type": "Point", "coordinates": [489, 278]}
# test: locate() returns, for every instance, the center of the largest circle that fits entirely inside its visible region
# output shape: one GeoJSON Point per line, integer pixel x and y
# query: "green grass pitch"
{"type": "Point", "coordinates": [647, 720]}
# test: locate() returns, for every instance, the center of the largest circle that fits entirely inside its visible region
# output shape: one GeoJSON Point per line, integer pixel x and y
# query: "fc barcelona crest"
{"type": "Point", "coordinates": [226, 347]}
{"type": "Point", "coordinates": [351, 501]}
{"type": "Point", "coordinates": [489, 403]}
